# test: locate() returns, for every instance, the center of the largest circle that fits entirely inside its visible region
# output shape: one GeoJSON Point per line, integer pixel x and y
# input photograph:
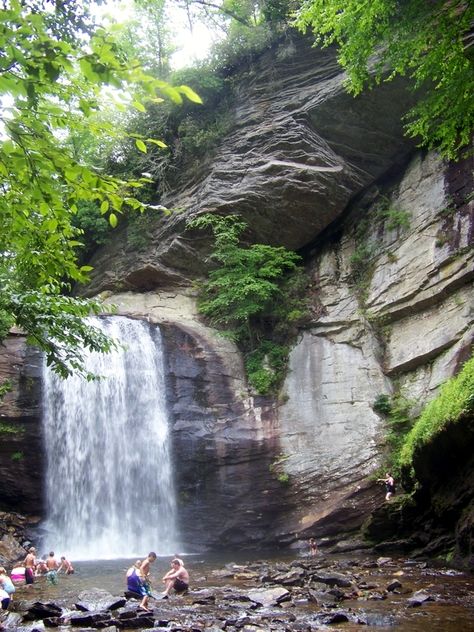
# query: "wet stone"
{"type": "Point", "coordinates": [92, 619]}
{"type": "Point", "coordinates": [333, 617]}
{"type": "Point", "coordinates": [270, 597]}
{"type": "Point", "coordinates": [418, 598]}
{"type": "Point", "coordinates": [332, 579]}
{"type": "Point", "coordinates": [384, 561]}
{"type": "Point", "coordinates": [98, 599]}
{"type": "Point", "coordinates": [146, 621]}
{"type": "Point", "coordinates": [322, 598]}
{"type": "Point", "coordinates": [376, 619]}
{"type": "Point", "coordinates": [40, 610]}
{"type": "Point", "coordinates": [395, 585]}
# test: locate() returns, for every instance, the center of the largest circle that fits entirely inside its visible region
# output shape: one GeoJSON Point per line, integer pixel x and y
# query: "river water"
{"type": "Point", "coordinates": [452, 608]}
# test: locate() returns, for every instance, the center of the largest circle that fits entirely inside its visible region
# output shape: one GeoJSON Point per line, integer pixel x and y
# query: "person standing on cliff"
{"type": "Point", "coordinates": [30, 563]}
{"type": "Point", "coordinates": [313, 547]}
{"type": "Point", "coordinates": [389, 485]}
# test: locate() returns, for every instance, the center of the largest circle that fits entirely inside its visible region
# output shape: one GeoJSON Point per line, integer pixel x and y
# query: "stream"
{"type": "Point", "coordinates": [275, 593]}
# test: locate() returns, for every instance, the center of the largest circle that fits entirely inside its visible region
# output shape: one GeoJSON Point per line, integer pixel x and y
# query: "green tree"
{"type": "Point", "coordinates": [55, 66]}
{"type": "Point", "coordinates": [146, 36]}
{"type": "Point", "coordinates": [253, 294]}
{"type": "Point", "coordinates": [430, 41]}
{"type": "Point", "coordinates": [246, 279]}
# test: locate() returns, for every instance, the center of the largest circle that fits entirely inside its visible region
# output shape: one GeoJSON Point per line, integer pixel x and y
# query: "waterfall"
{"type": "Point", "coordinates": [109, 484]}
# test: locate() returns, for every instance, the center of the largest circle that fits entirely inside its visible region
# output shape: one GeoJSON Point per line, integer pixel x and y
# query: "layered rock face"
{"type": "Point", "coordinates": [387, 235]}
{"type": "Point", "coordinates": [21, 448]}
{"type": "Point", "coordinates": [299, 150]}
{"type": "Point", "coordinates": [399, 321]}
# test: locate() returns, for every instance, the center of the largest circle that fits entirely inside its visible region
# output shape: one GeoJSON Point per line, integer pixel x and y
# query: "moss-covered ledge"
{"type": "Point", "coordinates": [436, 516]}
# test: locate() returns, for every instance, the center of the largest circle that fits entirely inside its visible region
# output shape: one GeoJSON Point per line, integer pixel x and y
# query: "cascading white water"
{"type": "Point", "coordinates": [109, 484]}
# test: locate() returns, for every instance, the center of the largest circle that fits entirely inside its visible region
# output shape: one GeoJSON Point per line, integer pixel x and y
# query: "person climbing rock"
{"type": "Point", "coordinates": [145, 588]}
{"type": "Point", "coordinates": [389, 485]}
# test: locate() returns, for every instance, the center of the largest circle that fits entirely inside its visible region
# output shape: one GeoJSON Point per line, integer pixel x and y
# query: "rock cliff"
{"type": "Point", "coordinates": [386, 233]}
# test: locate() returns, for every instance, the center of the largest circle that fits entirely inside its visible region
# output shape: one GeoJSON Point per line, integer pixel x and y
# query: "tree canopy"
{"type": "Point", "coordinates": [56, 65]}
{"type": "Point", "coordinates": [431, 42]}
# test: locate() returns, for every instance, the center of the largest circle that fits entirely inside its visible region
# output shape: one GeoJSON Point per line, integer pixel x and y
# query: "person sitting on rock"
{"type": "Point", "coordinates": [6, 585]}
{"type": "Point", "coordinates": [6, 589]}
{"type": "Point", "coordinates": [177, 578]}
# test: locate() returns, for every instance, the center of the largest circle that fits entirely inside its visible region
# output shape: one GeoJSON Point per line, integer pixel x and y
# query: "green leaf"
{"type": "Point", "coordinates": [160, 143]}
{"type": "Point", "coordinates": [113, 220]}
{"type": "Point", "coordinates": [139, 106]}
{"type": "Point", "coordinates": [190, 94]}
{"type": "Point", "coordinates": [141, 145]}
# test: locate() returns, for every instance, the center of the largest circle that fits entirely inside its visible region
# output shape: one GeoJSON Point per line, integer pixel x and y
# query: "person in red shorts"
{"type": "Point", "coordinates": [30, 565]}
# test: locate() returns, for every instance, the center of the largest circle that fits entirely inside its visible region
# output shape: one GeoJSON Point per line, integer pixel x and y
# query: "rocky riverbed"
{"type": "Point", "coordinates": [287, 595]}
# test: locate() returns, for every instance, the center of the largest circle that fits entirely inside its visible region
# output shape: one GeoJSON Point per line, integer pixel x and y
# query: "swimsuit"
{"type": "Point", "coordinates": [145, 589]}
{"type": "Point", "coordinates": [29, 576]}
{"type": "Point", "coordinates": [180, 586]}
{"type": "Point", "coordinates": [4, 599]}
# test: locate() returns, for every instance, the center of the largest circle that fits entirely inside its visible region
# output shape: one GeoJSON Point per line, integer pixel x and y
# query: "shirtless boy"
{"type": "Point", "coordinates": [66, 566]}
{"type": "Point", "coordinates": [145, 589]}
{"type": "Point", "coordinates": [29, 564]}
{"type": "Point", "coordinates": [52, 565]}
